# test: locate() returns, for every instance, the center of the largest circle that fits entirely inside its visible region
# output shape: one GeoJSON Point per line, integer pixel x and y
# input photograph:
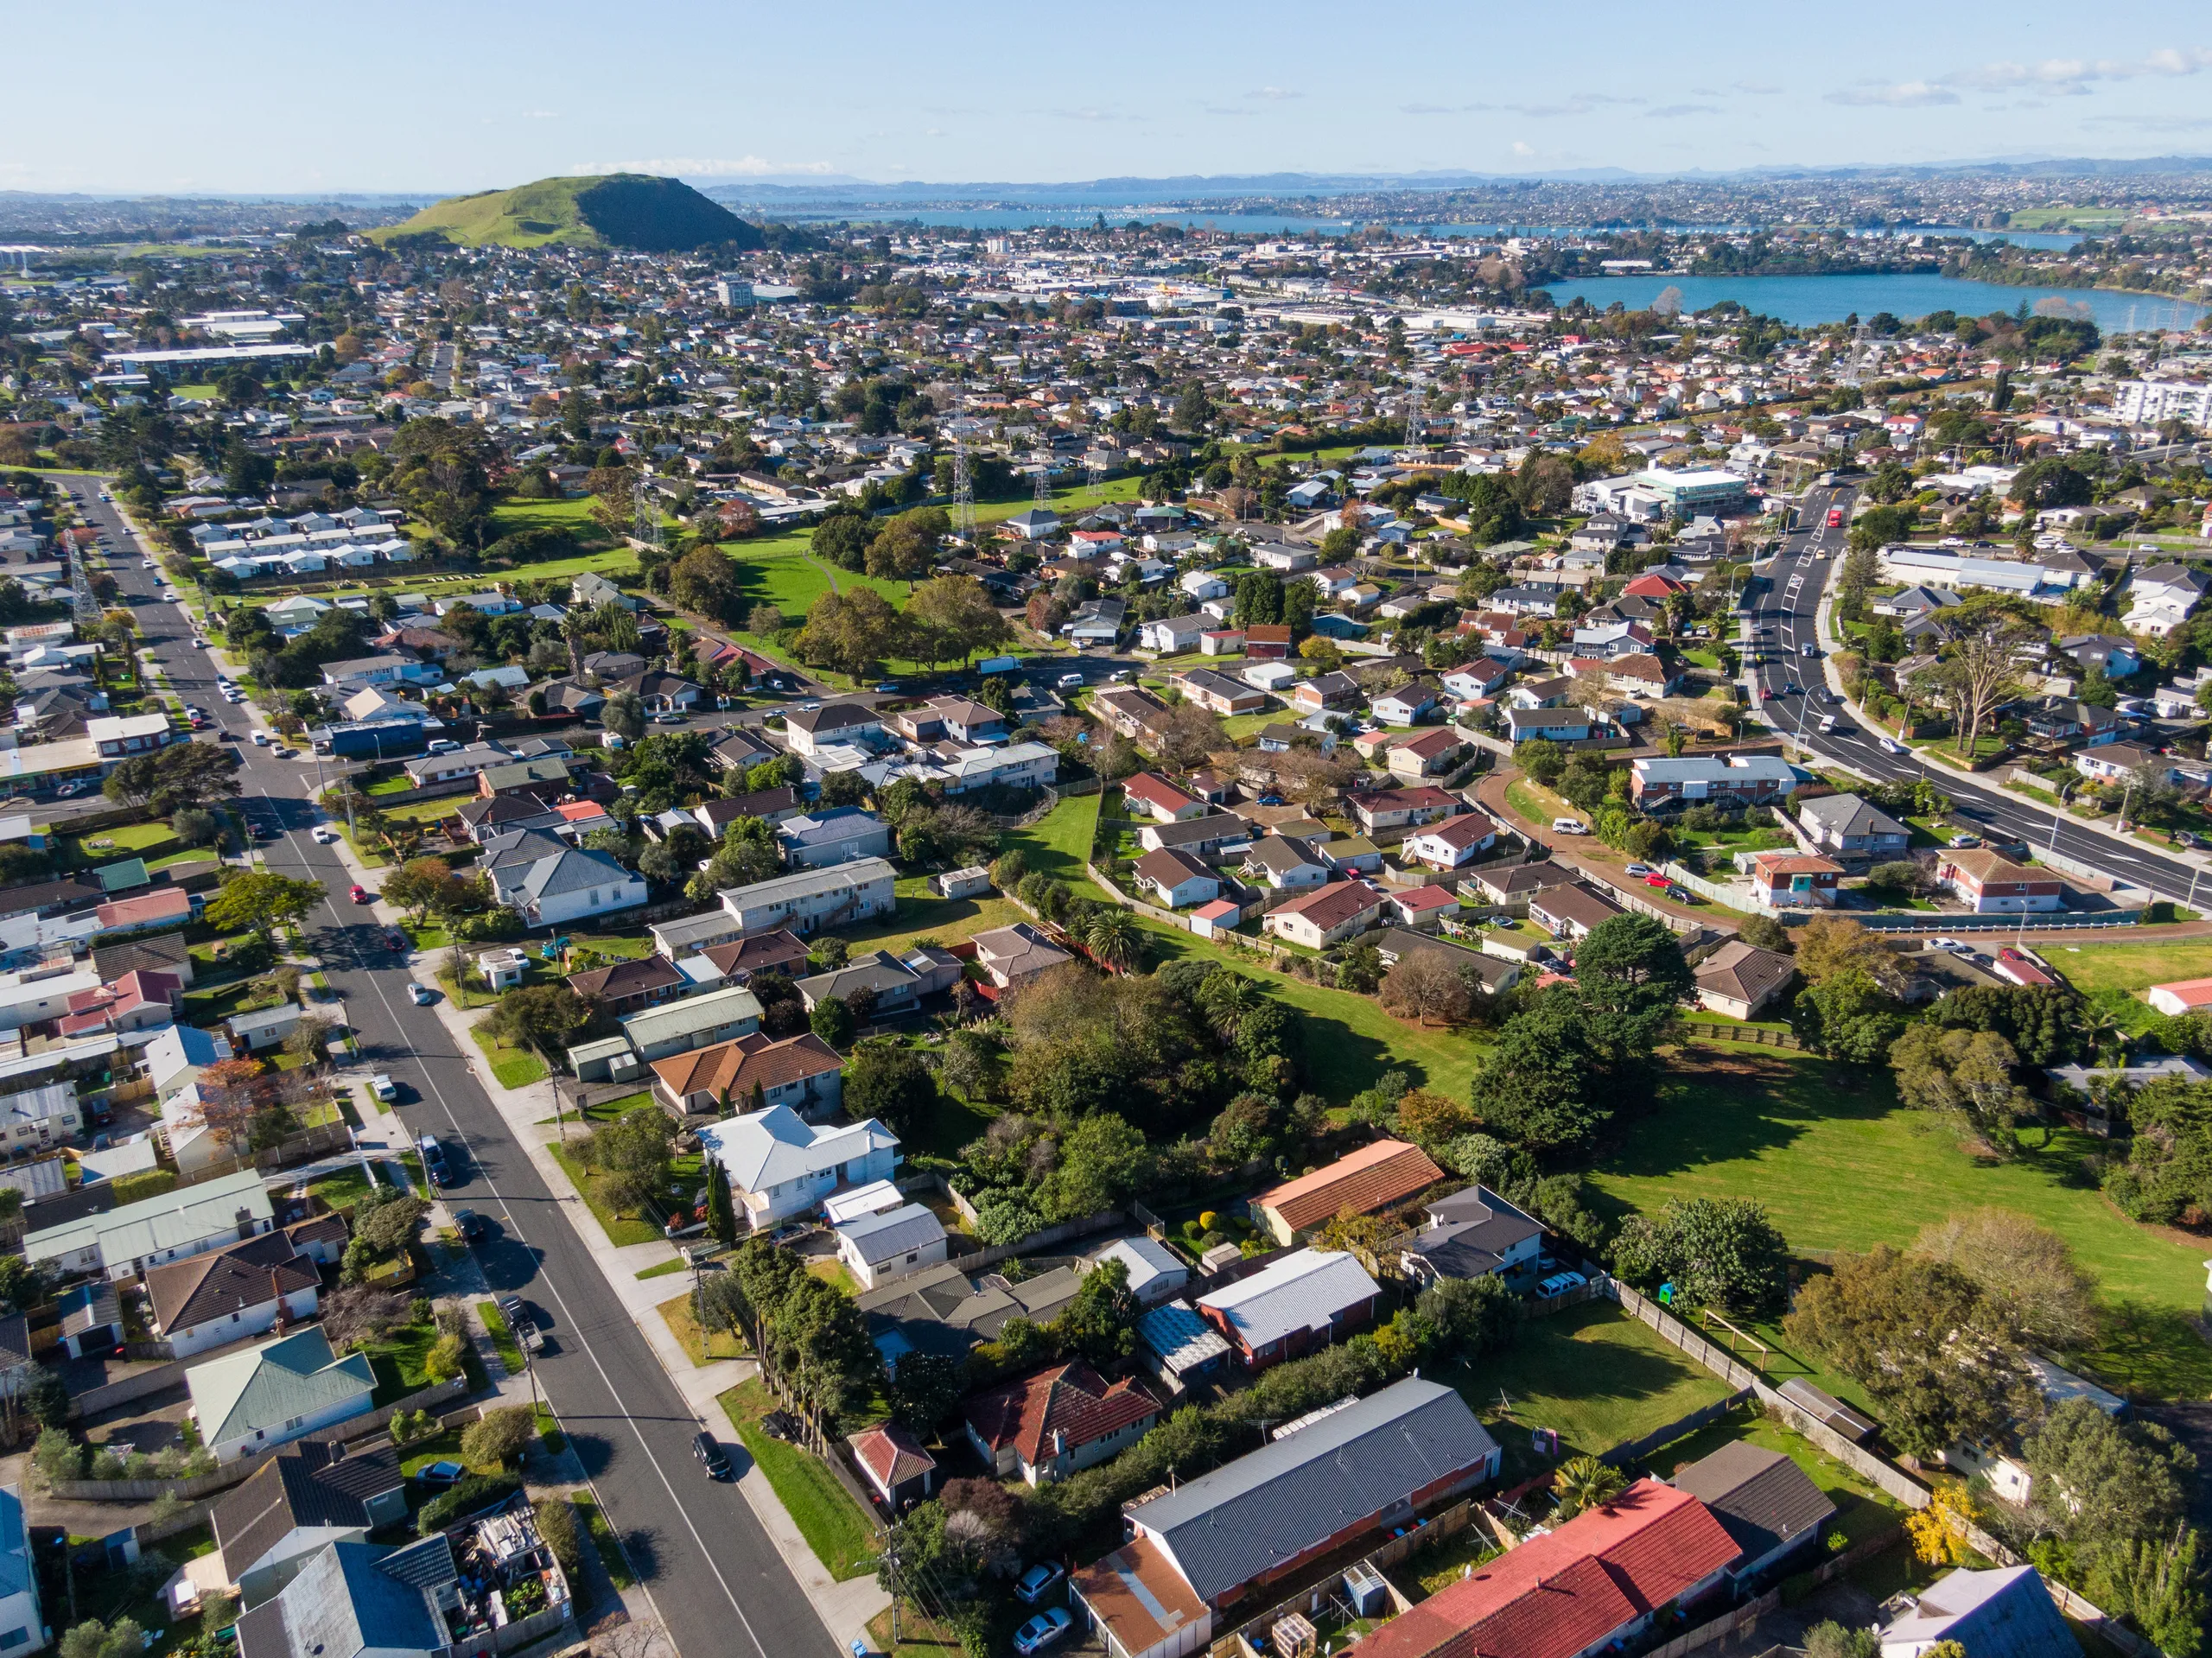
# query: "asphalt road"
{"type": "Point", "coordinates": [715, 1579]}
{"type": "Point", "coordinates": [1800, 572]}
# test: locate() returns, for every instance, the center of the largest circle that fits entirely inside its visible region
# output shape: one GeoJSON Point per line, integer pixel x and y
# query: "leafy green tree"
{"type": "Point", "coordinates": [1100, 1324]}
{"type": "Point", "coordinates": [632, 1153]}
{"type": "Point", "coordinates": [624, 715]}
{"type": "Point", "coordinates": [541, 1017]}
{"type": "Point", "coordinates": [1721, 1252]}
{"type": "Point", "coordinates": [832, 1020]}
{"type": "Point", "coordinates": [1969, 1077]}
{"type": "Point", "coordinates": [498, 1436]}
{"type": "Point", "coordinates": [262, 902]}
{"type": "Point", "coordinates": [2099, 1479]}
{"type": "Point", "coordinates": [1544, 759]}
{"type": "Point", "coordinates": [1937, 1358]}
{"type": "Point", "coordinates": [722, 1210]}
{"type": "Point", "coordinates": [1847, 1017]}
{"type": "Point", "coordinates": [1540, 1085]}
{"type": "Point", "coordinates": [2157, 1583]}
{"type": "Point", "coordinates": [888, 1081]}
{"type": "Point", "coordinates": [183, 776]}
{"type": "Point", "coordinates": [1104, 1162]}
{"type": "Point", "coordinates": [1473, 1317]}
{"type": "Point", "coordinates": [925, 1388]}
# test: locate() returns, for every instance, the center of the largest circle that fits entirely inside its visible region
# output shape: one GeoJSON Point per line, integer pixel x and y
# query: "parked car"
{"type": "Point", "coordinates": [1069, 681]}
{"type": "Point", "coordinates": [443, 745]}
{"type": "Point", "coordinates": [1639, 870]}
{"type": "Point", "coordinates": [1560, 1284]}
{"type": "Point", "coordinates": [433, 1161]}
{"type": "Point", "coordinates": [361, 894]}
{"type": "Point", "coordinates": [1569, 826]}
{"type": "Point", "coordinates": [441, 1473]}
{"type": "Point", "coordinates": [1962, 843]}
{"type": "Point", "coordinates": [421, 994]}
{"type": "Point", "coordinates": [711, 1456]}
{"type": "Point", "coordinates": [323, 833]}
{"type": "Point", "coordinates": [1956, 946]}
{"type": "Point", "coordinates": [394, 939]}
{"type": "Point", "coordinates": [383, 1087]}
{"type": "Point", "coordinates": [1040, 1631]}
{"type": "Point", "coordinates": [1657, 880]}
{"type": "Point", "coordinates": [468, 1223]}
{"type": "Point", "coordinates": [2184, 837]}
{"type": "Point", "coordinates": [1891, 746]}
{"type": "Point", "coordinates": [1034, 1584]}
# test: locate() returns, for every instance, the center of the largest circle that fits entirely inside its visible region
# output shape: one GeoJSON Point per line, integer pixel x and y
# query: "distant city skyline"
{"type": "Point", "coordinates": [422, 99]}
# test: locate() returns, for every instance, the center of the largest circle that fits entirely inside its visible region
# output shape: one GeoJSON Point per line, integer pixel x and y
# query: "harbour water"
{"type": "Point", "coordinates": [1805, 301]}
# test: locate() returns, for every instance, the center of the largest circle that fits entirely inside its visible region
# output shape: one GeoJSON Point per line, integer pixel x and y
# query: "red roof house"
{"type": "Point", "coordinates": [1048, 1425]}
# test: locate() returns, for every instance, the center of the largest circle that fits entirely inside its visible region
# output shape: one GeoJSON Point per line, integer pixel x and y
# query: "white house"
{"type": "Point", "coordinates": [271, 1395]}
{"type": "Point", "coordinates": [1173, 635]}
{"type": "Point", "coordinates": [890, 1243]}
{"type": "Point", "coordinates": [779, 1165]}
{"type": "Point", "coordinates": [227, 1295]}
{"type": "Point", "coordinates": [126, 1242]}
{"type": "Point", "coordinates": [21, 1629]}
{"type": "Point", "coordinates": [570, 887]}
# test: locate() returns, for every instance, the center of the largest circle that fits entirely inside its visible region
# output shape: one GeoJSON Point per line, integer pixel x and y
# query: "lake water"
{"type": "Point", "coordinates": [1805, 301]}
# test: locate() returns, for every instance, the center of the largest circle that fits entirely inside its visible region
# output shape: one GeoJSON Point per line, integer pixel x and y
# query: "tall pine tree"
{"type": "Point", "coordinates": [722, 1213]}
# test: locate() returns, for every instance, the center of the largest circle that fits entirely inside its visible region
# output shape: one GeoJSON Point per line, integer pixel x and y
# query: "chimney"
{"type": "Point", "coordinates": [244, 1220]}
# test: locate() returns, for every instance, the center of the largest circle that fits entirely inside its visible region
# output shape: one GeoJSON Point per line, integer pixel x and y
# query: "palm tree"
{"type": "Point", "coordinates": [1115, 939]}
{"type": "Point", "coordinates": [1584, 1482]}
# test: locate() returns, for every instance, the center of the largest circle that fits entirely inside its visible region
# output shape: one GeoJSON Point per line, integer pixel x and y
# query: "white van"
{"type": "Point", "coordinates": [1827, 723]}
{"type": "Point", "coordinates": [1569, 826]}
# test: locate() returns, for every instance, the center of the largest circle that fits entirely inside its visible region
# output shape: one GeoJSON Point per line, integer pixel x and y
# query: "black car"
{"type": "Point", "coordinates": [711, 1456]}
{"type": "Point", "coordinates": [394, 939]}
{"type": "Point", "coordinates": [468, 1223]}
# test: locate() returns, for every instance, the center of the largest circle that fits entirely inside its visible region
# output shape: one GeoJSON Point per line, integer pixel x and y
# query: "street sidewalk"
{"type": "Point", "coordinates": [846, 1607]}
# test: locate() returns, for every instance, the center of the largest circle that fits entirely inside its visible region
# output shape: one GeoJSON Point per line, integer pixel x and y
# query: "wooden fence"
{"type": "Point", "coordinates": [1631, 1451]}
{"type": "Point", "coordinates": [1753, 1033]}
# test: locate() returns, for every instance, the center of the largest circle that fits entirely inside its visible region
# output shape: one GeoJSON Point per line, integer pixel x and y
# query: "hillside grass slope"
{"type": "Point", "coordinates": [616, 210]}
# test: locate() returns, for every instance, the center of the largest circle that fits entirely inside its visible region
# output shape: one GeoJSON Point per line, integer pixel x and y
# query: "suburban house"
{"type": "Point", "coordinates": [1990, 883]}
{"type": "Point", "coordinates": [1155, 1272]}
{"type": "Point", "coordinates": [944, 1310]}
{"type": "Point", "coordinates": [1472, 1233]}
{"type": "Point", "coordinates": [1199, 836]}
{"type": "Point", "coordinates": [1553, 725]}
{"type": "Point", "coordinates": [1131, 711]}
{"type": "Point", "coordinates": [1164, 802]}
{"type": "Point", "coordinates": [1741, 780]}
{"type": "Point", "coordinates": [735, 963]}
{"type": "Point", "coordinates": [1385, 809]}
{"type": "Point", "coordinates": [1449, 844]}
{"type": "Point", "coordinates": [803, 1072]}
{"type": "Point", "coordinates": [1225, 1537]}
{"type": "Point", "coordinates": [1319, 919]}
{"type": "Point", "coordinates": [2004, 1611]}
{"type": "Point", "coordinates": [1740, 980]}
{"type": "Point", "coordinates": [1218, 692]}
{"type": "Point", "coordinates": [1053, 1422]}
{"type": "Point", "coordinates": [1406, 705]}
{"type": "Point", "coordinates": [2181, 996]}
{"type": "Point", "coordinates": [631, 987]}
{"type": "Point", "coordinates": [567, 886]}
{"type": "Point", "coordinates": [1848, 827]}
{"type": "Point", "coordinates": [890, 1242]}
{"type": "Point", "coordinates": [1176, 879]}
{"type": "Point", "coordinates": [297, 1503]}
{"type": "Point", "coordinates": [1594, 1583]}
{"type": "Point", "coordinates": [841, 897]}
{"type": "Point", "coordinates": [1324, 693]}
{"type": "Point", "coordinates": [843, 834]}
{"type": "Point", "coordinates": [1766, 1503]}
{"type": "Point", "coordinates": [2124, 763]}
{"type": "Point", "coordinates": [1306, 1299]}
{"type": "Point", "coordinates": [894, 984]}
{"type": "Point", "coordinates": [362, 1600]}
{"type": "Point", "coordinates": [274, 1393]}
{"type": "Point", "coordinates": [227, 1295]}
{"type": "Point", "coordinates": [1516, 883]}
{"type": "Point", "coordinates": [126, 1242]}
{"type": "Point", "coordinates": [21, 1626]}
{"type": "Point", "coordinates": [1013, 956]}
{"type": "Point", "coordinates": [807, 733]}
{"type": "Point", "coordinates": [1785, 879]}
{"type": "Point", "coordinates": [894, 1464]}
{"type": "Point", "coordinates": [693, 1022]}
{"type": "Point", "coordinates": [1423, 756]}
{"type": "Point", "coordinates": [779, 1165]}
{"type": "Point", "coordinates": [1284, 861]}
{"type": "Point", "coordinates": [1571, 912]}
{"type": "Point", "coordinates": [1378, 1176]}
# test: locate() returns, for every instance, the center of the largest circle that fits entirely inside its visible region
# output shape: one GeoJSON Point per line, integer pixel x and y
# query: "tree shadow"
{"type": "Point", "coordinates": [642, 1545]}
{"type": "Point", "coordinates": [1712, 1107]}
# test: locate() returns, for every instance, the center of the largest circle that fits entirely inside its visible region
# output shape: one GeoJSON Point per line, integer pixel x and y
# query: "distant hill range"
{"type": "Point", "coordinates": [613, 210]}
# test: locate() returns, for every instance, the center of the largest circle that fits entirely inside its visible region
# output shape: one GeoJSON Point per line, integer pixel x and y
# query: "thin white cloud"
{"type": "Point", "coordinates": [1520, 148]}
{"type": "Point", "coordinates": [1758, 88]}
{"type": "Point", "coordinates": [541, 115]}
{"type": "Point", "coordinates": [1274, 94]}
{"type": "Point", "coordinates": [699, 167]}
{"type": "Point", "coordinates": [1906, 95]}
{"type": "Point", "coordinates": [1676, 112]}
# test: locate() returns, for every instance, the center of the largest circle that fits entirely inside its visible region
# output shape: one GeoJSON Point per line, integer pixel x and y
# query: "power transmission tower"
{"type": "Point", "coordinates": [647, 513]}
{"type": "Point", "coordinates": [1412, 415]}
{"type": "Point", "coordinates": [80, 583]}
{"type": "Point", "coordinates": [1044, 479]}
{"type": "Point", "coordinates": [963, 494]}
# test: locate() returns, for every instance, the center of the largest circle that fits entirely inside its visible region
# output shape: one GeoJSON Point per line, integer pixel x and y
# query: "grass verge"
{"type": "Point", "coordinates": [621, 1229]}
{"type": "Point", "coordinates": [840, 1536]}
{"type": "Point", "coordinates": [511, 1067]}
{"type": "Point", "coordinates": [503, 1338]}
{"type": "Point", "coordinates": [604, 1539]}
{"type": "Point", "coordinates": [701, 1346]}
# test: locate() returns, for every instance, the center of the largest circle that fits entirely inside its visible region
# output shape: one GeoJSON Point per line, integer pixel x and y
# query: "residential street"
{"type": "Point", "coordinates": [713, 1572]}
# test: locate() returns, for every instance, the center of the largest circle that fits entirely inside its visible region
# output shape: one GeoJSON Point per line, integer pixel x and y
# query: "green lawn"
{"type": "Point", "coordinates": [621, 1229]}
{"type": "Point", "coordinates": [952, 1124]}
{"type": "Point", "coordinates": [1595, 1374]}
{"type": "Point", "coordinates": [514, 1067]}
{"type": "Point", "coordinates": [1840, 1164]}
{"type": "Point", "coordinates": [604, 1539]}
{"type": "Point", "coordinates": [922, 914]}
{"type": "Point", "coordinates": [1058, 843]}
{"type": "Point", "coordinates": [2132, 966]}
{"type": "Point", "coordinates": [665, 1269]}
{"type": "Point", "coordinates": [1863, 1510]}
{"type": "Point", "coordinates": [777, 570]}
{"type": "Point", "coordinates": [503, 1338]}
{"type": "Point", "coordinates": [701, 1346]}
{"type": "Point", "coordinates": [842, 1537]}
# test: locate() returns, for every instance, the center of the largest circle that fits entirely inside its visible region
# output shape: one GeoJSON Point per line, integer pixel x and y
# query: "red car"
{"type": "Point", "coordinates": [1657, 880]}
{"type": "Point", "coordinates": [361, 894]}
{"type": "Point", "coordinates": [1835, 517]}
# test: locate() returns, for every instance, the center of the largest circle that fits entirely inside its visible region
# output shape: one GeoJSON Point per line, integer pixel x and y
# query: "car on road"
{"type": "Point", "coordinates": [323, 833]}
{"type": "Point", "coordinates": [1040, 1631]}
{"type": "Point", "coordinates": [1569, 826]}
{"type": "Point", "coordinates": [66, 791]}
{"type": "Point", "coordinates": [1891, 746]}
{"type": "Point", "coordinates": [1068, 682]}
{"type": "Point", "coordinates": [1828, 725]}
{"type": "Point", "coordinates": [360, 894]}
{"type": "Point", "coordinates": [384, 1087]}
{"type": "Point", "coordinates": [441, 1474]}
{"type": "Point", "coordinates": [1560, 1284]}
{"type": "Point", "coordinates": [1120, 675]}
{"type": "Point", "coordinates": [1835, 517]}
{"type": "Point", "coordinates": [1036, 1582]}
{"type": "Point", "coordinates": [889, 688]}
{"type": "Point", "coordinates": [261, 739]}
{"type": "Point", "coordinates": [394, 939]}
{"type": "Point", "coordinates": [443, 745]}
{"type": "Point", "coordinates": [421, 994]}
{"type": "Point", "coordinates": [1956, 946]}
{"type": "Point", "coordinates": [468, 1223]}
{"type": "Point", "coordinates": [1808, 649]}
{"type": "Point", "coordinates": [711, 1456]}
{"type": "Point", "coordinates": [433, 1161]}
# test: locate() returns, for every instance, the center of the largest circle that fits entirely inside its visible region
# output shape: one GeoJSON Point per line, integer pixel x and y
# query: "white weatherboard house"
{"type": "Point", "coordinates": [843, 896]}
{"type": "Point", "coordinates": [696, 1022]}
{"type": "Point", "coordinates": [21, 1629]}
{"type": "Point", "coordinates": [271, 1395]}
{"type": "Point", "coordinates": [780, 1164]}
{"type": "Point", "coordinates": [190, 1221]}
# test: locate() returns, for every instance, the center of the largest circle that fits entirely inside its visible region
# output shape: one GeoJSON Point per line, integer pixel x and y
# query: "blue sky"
{"type": "Point", "coordinates": [463, 95]}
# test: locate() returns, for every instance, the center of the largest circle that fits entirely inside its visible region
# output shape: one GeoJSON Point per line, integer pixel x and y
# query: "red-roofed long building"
{"type": "Point", "coordinates": [1597, 1579]}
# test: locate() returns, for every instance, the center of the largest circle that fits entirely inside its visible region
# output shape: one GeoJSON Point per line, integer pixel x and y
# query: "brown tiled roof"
{"type": "Point", "coordinates": [248, 1274]}
{"type": "Point", "coordinates": [892, 1454]}
{"type": "Point", "coordinates": [1333, 905]}
{"type": "Point", "coordinates": [1744, 972]}
{"type": "Point", "coordinates": [1371, 1178]}
{"type": "Point", "coordinates": [625, 978]}
{"type": "Point", "coordinates": [762, 950]}
{"type": "Point", "coordinates": [737, 1065]}
{"type": "Point", "coordinates": [1070, 1399]}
